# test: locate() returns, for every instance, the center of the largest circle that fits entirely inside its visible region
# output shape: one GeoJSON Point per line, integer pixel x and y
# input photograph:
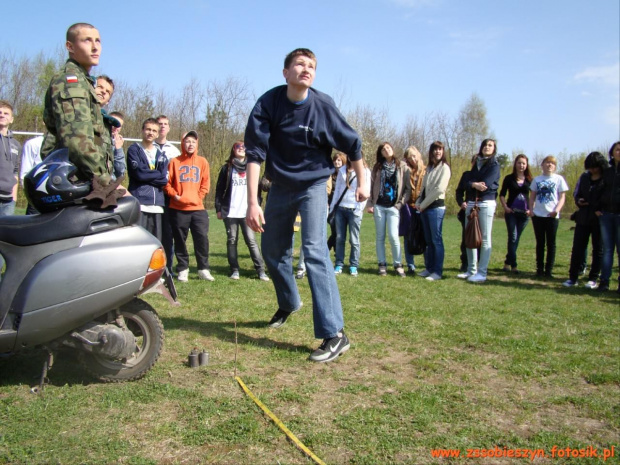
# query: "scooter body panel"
{"type": "Point", "coordinates": [71, 283]}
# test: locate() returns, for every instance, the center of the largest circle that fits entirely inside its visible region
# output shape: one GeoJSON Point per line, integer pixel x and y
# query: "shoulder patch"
{"type": "Point", "coordinates": [71, 78]}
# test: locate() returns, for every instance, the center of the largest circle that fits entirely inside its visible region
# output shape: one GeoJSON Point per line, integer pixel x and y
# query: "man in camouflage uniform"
{"type": "Point", "coordinates": [72, 111]}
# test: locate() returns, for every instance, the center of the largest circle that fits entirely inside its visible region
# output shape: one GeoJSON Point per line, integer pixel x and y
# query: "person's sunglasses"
{"type": "Point", "coordinates": [239, 146]}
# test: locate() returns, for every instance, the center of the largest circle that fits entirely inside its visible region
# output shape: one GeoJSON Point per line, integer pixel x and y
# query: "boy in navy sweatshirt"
{"type": "Point", "coordinates": [293, 128]}
{"type": "Point", "coordinates": [147, 167]}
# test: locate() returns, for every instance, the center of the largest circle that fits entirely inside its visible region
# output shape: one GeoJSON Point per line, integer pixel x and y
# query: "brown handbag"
{"type": "Point", "coordinates": [473, 235]}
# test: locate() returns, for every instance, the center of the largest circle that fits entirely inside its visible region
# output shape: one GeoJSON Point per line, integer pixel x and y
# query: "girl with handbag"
{"type": "Point", "coordinates": [347, 213]}
{"type": "Point", "coordinates": [484, 178]}
{"type": "Point", "coordinates": [417, 170]}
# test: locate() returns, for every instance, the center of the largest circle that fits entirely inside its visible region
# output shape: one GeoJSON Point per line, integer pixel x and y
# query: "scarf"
{"type": "Point", "coordinates": [387, 171]}
{"type": "Point", "coordinates": [239, 165]}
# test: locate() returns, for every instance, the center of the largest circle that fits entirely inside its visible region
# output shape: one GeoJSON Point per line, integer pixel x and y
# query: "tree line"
{"type": "Point", "coordinates": [218, 111]}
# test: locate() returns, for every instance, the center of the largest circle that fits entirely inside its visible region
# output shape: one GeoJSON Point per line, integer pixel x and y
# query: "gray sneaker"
{"type": "Point", "coordinates": [263, 276]}
{"type": "Point", "coordinates": [331, 348]}
{"type": "Point", "coordinates": [234, 275]}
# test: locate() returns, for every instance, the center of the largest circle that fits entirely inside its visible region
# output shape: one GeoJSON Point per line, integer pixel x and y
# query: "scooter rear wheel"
{"type": "Point", "coordinates": [142, 320]}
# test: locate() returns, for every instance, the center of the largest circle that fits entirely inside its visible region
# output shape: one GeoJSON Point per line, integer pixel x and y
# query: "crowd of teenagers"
{"type": "Point", "coordinates": [294, 130]}
{"type": "Point", "coordinates": [406, 193]}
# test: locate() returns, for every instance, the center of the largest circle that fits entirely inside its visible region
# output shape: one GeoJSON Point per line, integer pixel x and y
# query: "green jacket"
{"type": "Point", "coordinates": [73, 118]}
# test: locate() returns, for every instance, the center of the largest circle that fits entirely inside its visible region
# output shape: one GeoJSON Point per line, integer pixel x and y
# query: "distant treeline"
{"type": "Point", "coordinates": [218, 110]}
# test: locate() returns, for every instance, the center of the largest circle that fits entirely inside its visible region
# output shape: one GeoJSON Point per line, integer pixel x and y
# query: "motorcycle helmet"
{"type": "Point", "coordinates": [52, 184]}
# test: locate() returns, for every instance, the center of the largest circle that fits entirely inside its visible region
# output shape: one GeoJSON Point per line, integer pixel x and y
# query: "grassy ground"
{"type": "Point", "coordinates": [515, 363]}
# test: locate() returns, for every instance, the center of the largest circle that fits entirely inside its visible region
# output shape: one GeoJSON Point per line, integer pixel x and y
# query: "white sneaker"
{"type": "Point", "coordinates": [433, 277]}
{"type": "Point", "coordinates": [477, 278]}
{"type": "Point", "coordinates": [464, 275]}
{"type": "Point", "coordinates": [234, 275]}
{"type": "Point", "coordinates": [591, 285]}
{"type": "Point", "coordinates": [424, 274]}
{"type": "Point", "coordinates": [569, 283]}
{"type": "Point", "coordinates": [183, 276]}
{"type": "Point", "coordinates": [205, 274]}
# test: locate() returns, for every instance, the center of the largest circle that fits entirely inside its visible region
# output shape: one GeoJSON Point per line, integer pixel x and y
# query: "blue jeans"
{"type": "Point", "coordinates": [352, 218]}
{"type": "Point", "coordinates": [432, 222]}
{"type": "Point", "coordinates": [485, 217]}
{"type": "Point", "coordinates": [610, 235]}
{"type": "Point", "coordinates": [7, 209]}
{"type": "Point", "coordinates": [282, 206]}
{"type": "Point", "coordinates": [387, 218]}
{"type": "Point", "coordinates": [515, 224]}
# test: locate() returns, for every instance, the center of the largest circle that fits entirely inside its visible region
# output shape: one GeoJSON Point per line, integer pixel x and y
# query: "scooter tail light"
{"type": "Point", "coordinates": [156, 269]}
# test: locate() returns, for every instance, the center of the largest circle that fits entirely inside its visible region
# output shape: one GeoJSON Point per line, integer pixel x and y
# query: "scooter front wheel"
{"type": "Point", "coordinates": [142, 320]}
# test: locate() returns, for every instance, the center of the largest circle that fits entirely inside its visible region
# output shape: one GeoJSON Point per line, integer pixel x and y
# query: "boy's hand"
{"type": "Point", "coordinates": [254, 218]}
{"type": "Point", "coordinates": [361, 193]}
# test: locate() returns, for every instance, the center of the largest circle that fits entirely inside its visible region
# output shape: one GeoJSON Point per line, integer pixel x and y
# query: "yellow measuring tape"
{"type": "Point", "coordinates": [281, 425]}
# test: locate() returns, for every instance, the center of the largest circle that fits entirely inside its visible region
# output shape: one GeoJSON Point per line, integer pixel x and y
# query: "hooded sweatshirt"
{"type": "Point", "coordinates": [188, 177]}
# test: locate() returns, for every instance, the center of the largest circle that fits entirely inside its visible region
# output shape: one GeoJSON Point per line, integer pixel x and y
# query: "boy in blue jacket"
{"type": "Point", "coordinates": [293, 128]}
{"type": "Point", "coordinates": [147, 167]}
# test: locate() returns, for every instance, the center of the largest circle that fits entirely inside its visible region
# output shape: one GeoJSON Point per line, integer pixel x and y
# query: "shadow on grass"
{"type": "Point", "coordinates": [225, 331]}
{"type": "Point", "coordinates": [26, 368]}
{"type": "Point", "coordinates": [531, 281]}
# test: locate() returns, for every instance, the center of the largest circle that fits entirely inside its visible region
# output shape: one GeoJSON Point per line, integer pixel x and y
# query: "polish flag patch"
{"type": "Point", "coordinates": [72, 79]}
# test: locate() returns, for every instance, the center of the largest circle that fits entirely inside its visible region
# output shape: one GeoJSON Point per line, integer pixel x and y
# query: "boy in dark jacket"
{"type": "Point", "coordinates": [147, 167]}
{"type": "Point", "coordinates": [294, 129]}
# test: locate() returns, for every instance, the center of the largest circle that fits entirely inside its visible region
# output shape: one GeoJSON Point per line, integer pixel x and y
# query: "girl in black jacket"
{"type": "Point", "coordinates": [588, 190]}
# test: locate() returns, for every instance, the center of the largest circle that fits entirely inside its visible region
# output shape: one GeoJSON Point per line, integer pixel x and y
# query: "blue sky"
{"type": "Point", "coordinates": [548, 71]}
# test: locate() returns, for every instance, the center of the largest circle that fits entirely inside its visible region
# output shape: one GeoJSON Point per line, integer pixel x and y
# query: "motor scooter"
{"type": "Point", "coordinates": [72, 279]}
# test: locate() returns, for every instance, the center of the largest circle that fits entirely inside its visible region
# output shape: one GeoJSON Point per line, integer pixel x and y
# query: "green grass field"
{"type": "Point", "coordinates": [516, 363]}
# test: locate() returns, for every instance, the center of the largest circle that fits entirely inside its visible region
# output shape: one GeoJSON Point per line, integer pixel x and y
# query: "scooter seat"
{"type": "Point", "coordinates": [73, 221]}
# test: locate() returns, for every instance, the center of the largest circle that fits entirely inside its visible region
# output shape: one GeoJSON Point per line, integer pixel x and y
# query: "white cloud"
{"type": "Point", "coordinates": [609, 75]}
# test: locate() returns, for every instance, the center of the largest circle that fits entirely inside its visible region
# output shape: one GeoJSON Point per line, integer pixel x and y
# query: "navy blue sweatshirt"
{"type": "Point", "coordinates": [487, 173]}
{"type": "Point", "coordinates": [296, 140]}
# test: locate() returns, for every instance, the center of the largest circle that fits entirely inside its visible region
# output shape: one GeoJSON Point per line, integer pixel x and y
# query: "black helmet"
{"type": "Point", "coordinates": [48, 186]}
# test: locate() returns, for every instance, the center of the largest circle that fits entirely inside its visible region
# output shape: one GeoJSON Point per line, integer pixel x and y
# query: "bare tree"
{"type": "Point", "coordinates": [473, 126]}
{"type": "Point", "coordinates": [374, 127]}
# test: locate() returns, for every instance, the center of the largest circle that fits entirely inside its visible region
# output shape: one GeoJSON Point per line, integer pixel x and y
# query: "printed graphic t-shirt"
{"type": "Point", "coordinates": [547, 189]}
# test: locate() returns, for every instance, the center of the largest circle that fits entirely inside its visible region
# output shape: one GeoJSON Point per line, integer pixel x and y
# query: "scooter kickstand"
{"type": "Point", "coordinates": [47, 366]}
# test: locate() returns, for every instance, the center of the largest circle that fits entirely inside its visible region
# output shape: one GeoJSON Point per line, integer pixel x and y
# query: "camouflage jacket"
{"type": "Point", "coordinates": [73, 118]}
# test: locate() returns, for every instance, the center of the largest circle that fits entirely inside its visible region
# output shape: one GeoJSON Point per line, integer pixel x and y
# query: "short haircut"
{"type": "Point", "coordinates": [162, 117]}
{"type": "Point", "coordinates": [550, 158]}
{"type": "Point", "coordinates": [107, 79]}
{"type": "Point", "coordinates": [72, 32]}
{"type": "Point", "coordinates": [150, 121]}
{"type": "Point", "coordinates": [5, 104]}
{"type": "Point", "coordinates": [297, 52]}
{"type": "Point", "coordinates": [117, 114]}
